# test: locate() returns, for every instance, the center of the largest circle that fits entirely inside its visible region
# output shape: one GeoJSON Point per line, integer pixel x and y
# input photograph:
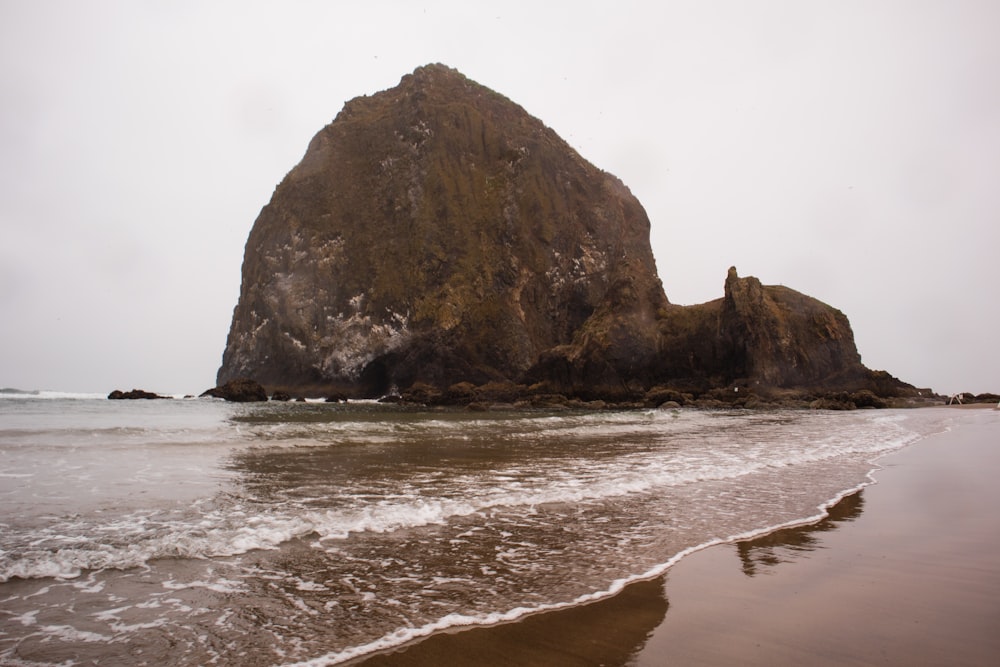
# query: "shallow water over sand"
{"type": "Point", "coordinates": [198, 531]}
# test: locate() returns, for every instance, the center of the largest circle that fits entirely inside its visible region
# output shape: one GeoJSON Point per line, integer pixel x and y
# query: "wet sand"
{"type": "Point", "coordinates": [906, 572]}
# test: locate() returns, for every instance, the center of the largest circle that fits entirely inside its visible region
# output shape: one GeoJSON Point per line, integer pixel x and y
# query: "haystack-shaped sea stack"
{"type": "Point", "coordinates": [436, 233]}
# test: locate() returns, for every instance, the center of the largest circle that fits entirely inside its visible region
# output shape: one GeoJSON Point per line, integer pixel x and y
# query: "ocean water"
{"type": "Point", "coordinates": [194, 532]}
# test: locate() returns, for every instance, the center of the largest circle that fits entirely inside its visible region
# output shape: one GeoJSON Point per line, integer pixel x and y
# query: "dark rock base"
{"type": "Point", "coordinates": [238, 391]}
{"type": "Point", "coordinates": [118, 395]}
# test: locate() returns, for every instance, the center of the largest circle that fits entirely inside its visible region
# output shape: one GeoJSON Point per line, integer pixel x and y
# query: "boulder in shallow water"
{"type": "Point", "coordinates": [241, 390]}
{"type": "Point", "coordinates": [134, 394]}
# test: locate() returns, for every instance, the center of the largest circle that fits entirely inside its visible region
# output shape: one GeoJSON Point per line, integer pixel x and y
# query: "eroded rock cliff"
{"type": "Point", "coordinates": [760, 335]}
{"type": "Point", "coordinates": [436, 233]}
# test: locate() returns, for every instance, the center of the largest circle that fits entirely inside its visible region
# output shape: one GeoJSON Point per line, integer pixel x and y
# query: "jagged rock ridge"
{"type": "Point", "coordinates": [437, 233]}
{"type": "Point", "coordinates": [761, 335]}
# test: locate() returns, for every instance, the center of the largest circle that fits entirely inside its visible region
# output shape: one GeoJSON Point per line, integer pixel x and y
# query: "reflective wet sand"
{"type": "Point", "coordinates": [902, 573]}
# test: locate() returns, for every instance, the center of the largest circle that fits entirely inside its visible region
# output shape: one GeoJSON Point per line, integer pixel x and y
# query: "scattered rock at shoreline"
{"type": "Point", "coordinates": [968, 398]}
{"type": "Point", "coordinates": [135, 394]}
{"type": "Point", "coordinates": [241, 390]}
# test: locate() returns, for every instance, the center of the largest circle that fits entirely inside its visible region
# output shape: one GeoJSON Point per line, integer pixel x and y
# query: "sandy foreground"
{"type": "Point", "coordinates": [905, 572]}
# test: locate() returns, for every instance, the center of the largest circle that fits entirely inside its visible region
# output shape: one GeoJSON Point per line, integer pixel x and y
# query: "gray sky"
{"type": "Point", "coordinates": [849, 150]}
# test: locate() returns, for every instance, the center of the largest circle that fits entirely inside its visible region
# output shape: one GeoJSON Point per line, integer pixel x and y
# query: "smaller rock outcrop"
{"type": "Point", "coordinates": [118, 395]}
{"type": "Point", "coordinates": [240, 390]}
{"type": "Point", "coordinates": [764, 336]}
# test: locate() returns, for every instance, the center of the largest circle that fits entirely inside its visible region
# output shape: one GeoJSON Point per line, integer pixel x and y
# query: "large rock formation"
{"type": "Point", "coordinates": [436, 233]}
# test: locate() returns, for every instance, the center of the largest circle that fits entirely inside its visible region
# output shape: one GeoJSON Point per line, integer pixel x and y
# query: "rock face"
{"type": "Point", "coordinates": [759, 335]}
{"type": "Point", "coordinates": [436, 234]}
{"type": "Point", "coordinates": [134, 394]}
{"type": "Point", "coordinates": [240, 390]}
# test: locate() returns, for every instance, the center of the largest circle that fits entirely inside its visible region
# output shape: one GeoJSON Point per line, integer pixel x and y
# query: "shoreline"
{"type": "Point", "coordinates": [865, 583]}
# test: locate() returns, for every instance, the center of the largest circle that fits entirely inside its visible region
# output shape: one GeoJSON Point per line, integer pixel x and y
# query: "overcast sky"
{"type": "Point", "coordinates": [849, 150]}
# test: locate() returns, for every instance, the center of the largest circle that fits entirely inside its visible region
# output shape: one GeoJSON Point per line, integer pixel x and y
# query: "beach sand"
{"type": "Point", "coordinates": [905, 572]}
